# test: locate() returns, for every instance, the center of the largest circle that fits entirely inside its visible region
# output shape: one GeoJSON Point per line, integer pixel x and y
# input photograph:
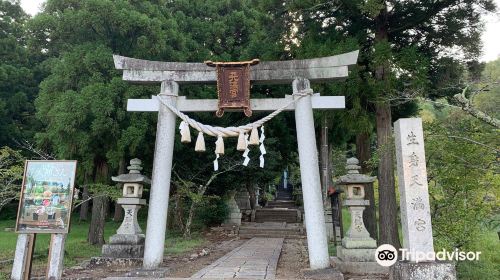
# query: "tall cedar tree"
{"type": "Point", "coordinates": [82, 103]}
{"type": "Point", "coordinates": [406, 51]}
{"type": "Point", "coordinates": [18, 79]}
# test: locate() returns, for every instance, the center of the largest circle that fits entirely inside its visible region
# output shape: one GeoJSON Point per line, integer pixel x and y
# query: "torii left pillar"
{"type": "Point", "coordinates": [317, 243]}
{"type": "Point", "coordinates": [160, 181]}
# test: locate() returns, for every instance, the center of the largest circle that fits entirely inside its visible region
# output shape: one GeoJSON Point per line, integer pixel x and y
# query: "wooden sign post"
{"type": "Point", "coordinates": [44, 207]}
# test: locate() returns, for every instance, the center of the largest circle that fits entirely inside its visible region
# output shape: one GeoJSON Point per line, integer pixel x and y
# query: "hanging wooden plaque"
{"type": "Point", "coordinates": [233, 85]}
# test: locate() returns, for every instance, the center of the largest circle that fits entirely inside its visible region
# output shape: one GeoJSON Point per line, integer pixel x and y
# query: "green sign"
{"type": "Point", "coordinates": [46, 196]}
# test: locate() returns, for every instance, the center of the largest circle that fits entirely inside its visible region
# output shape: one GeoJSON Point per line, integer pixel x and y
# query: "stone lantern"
{"type": "Point", "coordinates": [357, 253]}
{"type": "Point", "coordinates": [128, 242]}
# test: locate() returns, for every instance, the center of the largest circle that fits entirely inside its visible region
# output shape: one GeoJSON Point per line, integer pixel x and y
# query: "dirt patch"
{"type": "Point", "coordinates": [293, 259]}
{"type": "Point", "coordinates": [180, 265]}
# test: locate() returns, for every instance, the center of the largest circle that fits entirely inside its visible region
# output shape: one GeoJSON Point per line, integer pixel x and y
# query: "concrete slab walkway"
{"type": "Point", "coordinates": [255, 259]}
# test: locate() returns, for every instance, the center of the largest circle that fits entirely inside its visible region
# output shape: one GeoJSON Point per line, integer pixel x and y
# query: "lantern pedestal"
{"type": "Point", "coordinates": [128, 242]}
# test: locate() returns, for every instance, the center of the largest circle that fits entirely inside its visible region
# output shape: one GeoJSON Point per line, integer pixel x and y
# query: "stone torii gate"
{"type": "Point", "coordinates": [297, 72]}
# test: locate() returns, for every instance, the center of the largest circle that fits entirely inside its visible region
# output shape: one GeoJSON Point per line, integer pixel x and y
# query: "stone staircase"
{"type": "Point", "coordinates": [281, 204]}
{"type": "Point", "coordinates": [284, 194]}
{"type": "Point", "coordinates": [272, 230]}
{"type": "Point", "coordinates": [277, 215]}
{"type": "Point", "coordinates": [278, 219]}
{"type": "Point", "coordinates": [282, 209]}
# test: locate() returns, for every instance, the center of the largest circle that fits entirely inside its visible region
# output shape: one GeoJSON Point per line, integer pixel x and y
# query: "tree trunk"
{"type": "Point", "coordinates": [363, 155]}
{"type": "Point", "coordinates": [192, 208]}
{"type": "Point", "coordinates": [96, 229]}
{"type": "Point", "coordinates": [118, 213]}
{"type": "Point", "coordinates": [100, 206]}
{"type": "Point", "coordinates": [179, 211]}
{"type": "Point", "coordinates": [253, 196]}
{"type": "Point", "coordinates": [187, 228]}
{"type": "Point", "coordinates": [388, 211]}
{"type": "Point", "coordinates": [84, 208]}
{"type": "Point", "coordinates": [388, 222]}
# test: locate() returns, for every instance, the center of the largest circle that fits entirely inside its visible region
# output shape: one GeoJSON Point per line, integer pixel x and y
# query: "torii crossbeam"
{"type": "Point", "coordinates": [297, 72]}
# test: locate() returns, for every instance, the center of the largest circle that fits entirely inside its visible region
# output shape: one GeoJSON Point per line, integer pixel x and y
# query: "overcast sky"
{"type": "Point", "coordinates": [491, 36]}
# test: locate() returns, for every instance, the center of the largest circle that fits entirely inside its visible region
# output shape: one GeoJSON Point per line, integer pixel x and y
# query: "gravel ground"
{"type": "Point", "coordinates": [292, 263]}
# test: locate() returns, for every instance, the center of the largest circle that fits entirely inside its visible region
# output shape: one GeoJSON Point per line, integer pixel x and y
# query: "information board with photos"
{"type": "Point", "coordinates": [46, 196]}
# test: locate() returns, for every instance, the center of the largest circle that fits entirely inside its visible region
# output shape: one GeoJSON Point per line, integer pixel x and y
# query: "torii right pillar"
{"type": "Point", "coordinates": [309, 175]}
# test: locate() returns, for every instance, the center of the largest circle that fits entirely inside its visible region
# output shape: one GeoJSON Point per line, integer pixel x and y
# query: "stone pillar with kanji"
{"type": "Point", "coordinates": [415, 208]}
{"type": "Point", "coordinates": [128, 242]}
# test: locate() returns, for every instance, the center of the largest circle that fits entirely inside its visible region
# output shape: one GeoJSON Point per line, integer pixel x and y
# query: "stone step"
{"type": "Point", "coordinates": [276, 219]}
{"type": "Point", "coordinates": [266, 229]}
{"type": "Point", "coordinates": [273, 215]}
{"type": "Point", "coordinates": [287, 215]}
{"type": "Point", "coordinates": [276, 215]}
{"type": "Point", "coordinates": [273, 204]}
{"type": "Point", "coordinates": [273, 235]}
{"type": "Point", "coordinates": [291, 207]}
{"type": "Point", "coordinates": [276, 212]}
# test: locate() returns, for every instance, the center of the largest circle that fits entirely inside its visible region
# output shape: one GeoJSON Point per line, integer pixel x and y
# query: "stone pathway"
{"type": "Point", "coordinates": [255, 259]}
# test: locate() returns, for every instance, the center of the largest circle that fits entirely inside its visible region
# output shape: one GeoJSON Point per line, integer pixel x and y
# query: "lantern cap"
{"type": "Point", "coordinates": [134, 175]}
{"type": "Point", "coordinates": [353, 176]}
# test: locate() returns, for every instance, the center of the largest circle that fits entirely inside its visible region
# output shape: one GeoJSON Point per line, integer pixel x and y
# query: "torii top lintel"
{"type": "Point", "coordinates": [267, 72]}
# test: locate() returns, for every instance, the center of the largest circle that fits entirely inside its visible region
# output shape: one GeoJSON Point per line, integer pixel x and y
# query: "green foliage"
{"type": "Point", "coordinates": [492, 71]}
{"type": "Point", "coordinates": [11, 170]}
{"type": "Point", "coordinates": [113, 192]}
{"type": "Point", "coordinates": [225, 30]}
{"type": "Point", "coordinates": [488, 100]}
{"type": "Point", "coordinates": [82, 102]}
{"type": "Point", "coordinates": [213, 211]}
{"type": "Point", "coordinates": [464, 181]}
{"type": "Point", "coordinates": [18, 81]}
{"type": "Point", "coordinates": [488, 265]}
{"type": "Point", "coordinates": [84, 35]}
{"type": "Point", "coordinates": [372, 7]}
{"type": "Point", "coordinates": [414, 55]}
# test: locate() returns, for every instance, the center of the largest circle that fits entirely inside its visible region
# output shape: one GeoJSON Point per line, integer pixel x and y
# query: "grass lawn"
{"type": "Point", "coordinates": [488, 266]}
{"type": "Point", "coordinates": [77, 249]}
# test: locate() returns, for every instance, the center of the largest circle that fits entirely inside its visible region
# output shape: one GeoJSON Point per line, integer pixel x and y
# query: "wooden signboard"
{"type": "Point", "coordinates": [233, 85]}
{"type": "Point", "coordinates": [46, 196]}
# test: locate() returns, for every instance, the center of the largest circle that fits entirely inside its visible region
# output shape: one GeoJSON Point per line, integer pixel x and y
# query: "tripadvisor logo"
{"type": "Point", "coordinates": [387, 255]}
